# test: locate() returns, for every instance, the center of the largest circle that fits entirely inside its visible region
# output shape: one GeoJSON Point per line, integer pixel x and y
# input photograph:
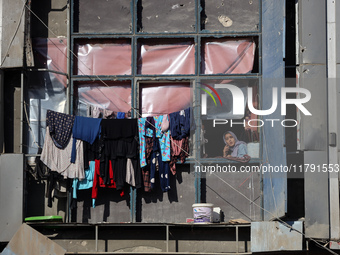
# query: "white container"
{"type": "Point", "coordinates": [216, 215]}
{"type": "Point", "coordinates": [203, 212]}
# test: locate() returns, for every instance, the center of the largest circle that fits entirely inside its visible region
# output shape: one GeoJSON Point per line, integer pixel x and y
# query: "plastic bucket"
{"type": "Point", "coordinates": [202, 212]}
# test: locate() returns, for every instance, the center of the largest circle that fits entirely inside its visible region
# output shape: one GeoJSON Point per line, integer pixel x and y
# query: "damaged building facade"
{"type": "Point", "coordinates": [145, 58]}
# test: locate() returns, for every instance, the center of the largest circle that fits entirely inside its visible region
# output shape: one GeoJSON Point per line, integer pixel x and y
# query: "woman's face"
{"type": "Point", "coordinates": [229, 139]}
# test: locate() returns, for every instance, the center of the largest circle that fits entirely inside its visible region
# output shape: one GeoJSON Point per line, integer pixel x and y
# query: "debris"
{"type": "Point", "coordinates": [238, 221]}
{"type": "Point", "coordinates": [225, 21]}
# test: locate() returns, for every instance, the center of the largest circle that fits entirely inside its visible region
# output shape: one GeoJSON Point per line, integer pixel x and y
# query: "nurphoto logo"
{"type": "Point", "coordinates": [238, 106]}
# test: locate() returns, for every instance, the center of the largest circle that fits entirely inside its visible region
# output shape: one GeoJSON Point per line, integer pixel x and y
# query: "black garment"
{"type": "Point", "coordinates": [92, 151]}
{"type": "Point", "coordinates": [120, 140]}
{"type": "Point", "coordinates": [40, 171]}
{"type": "Point", "coordinates": [52, 180]}
{"type": "Point", "coordinates": [181, 125]}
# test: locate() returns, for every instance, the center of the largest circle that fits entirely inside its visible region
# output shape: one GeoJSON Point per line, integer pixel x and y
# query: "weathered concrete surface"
{"type": "Point", "coordinates": [274, 236]}
{"type": "Point", "coordinates": [30, 242]}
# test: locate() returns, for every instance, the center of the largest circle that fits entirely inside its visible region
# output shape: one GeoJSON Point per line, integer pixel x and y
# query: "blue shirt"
{"type": "Point", "coordinates": [87, 183]}
{"type": "Point", "coordinates": [242, 150]}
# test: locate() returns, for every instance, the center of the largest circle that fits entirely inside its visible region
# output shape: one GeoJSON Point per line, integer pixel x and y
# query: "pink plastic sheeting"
{"type": "Point", "coordinates": [103, 59]}
{"type": "Point", "coordinates": [227, 56]}
{"type": "Point", "coordinates": [158, 99]}
{"type": "Point", "coordinates": [167, 59]}
{"type": "Point", "coordinates": [116, 97]}
{"type": "Point", "coordinates": [51, 53]}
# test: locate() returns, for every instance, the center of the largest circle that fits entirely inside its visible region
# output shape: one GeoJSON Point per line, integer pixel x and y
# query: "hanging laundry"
{"type": "Point", "coordinates": [164, 138]}
{"type": "Point", "coordinates": [165, 123]}
{"type": "Point", "coordinates": [130, 173]}
{"type": "Point", "coordinates": [180, 126]}
{"type": "Point", "coordinates": [163, 168]}
{"type": "Point", "coordinates": [146, 127]}
{"type": "Point", "coordinates": [120, 139]}
{"type": "Point", "coordinates": [146, 169]}
{"type": "Point", "coordinates": [155, 149]}
{"type": "Point", "coordinates": [141, 133]}
{"type": "Point", "coordinates": [92, 151]}
{"type": "Point", "coordinates": [146, 179]}
{"type": "Point", "coordinates": [59, 160]}
{"type": "Point", "coordinates": [108, 114]}
{"type": "Point", "coordinates": [94, 111]}
{"type": "Point", "coordinates": [56, 187]}
{"type": "Point", "coordinates": [60, 126]}
{"type": "Point", "coordinates": [99, 182]}
{"type": "Point", "coordinates": [87, 183]}
{"type": "Point", "coordinates": [121, 115]}
{"type": "Point", "coordinates": [85, 129]}
{"type": "Point", "coordinates": [179, 150]}
{"type": "Point", "coordinates": [40, 171]}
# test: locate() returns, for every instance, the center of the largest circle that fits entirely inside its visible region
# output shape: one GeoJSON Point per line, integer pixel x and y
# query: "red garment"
{"type": "Point", "coordinates": [99, 182]}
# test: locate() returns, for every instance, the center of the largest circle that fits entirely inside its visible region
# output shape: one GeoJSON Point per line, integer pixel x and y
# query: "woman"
{"type": "Point", "coordinates": [234, 149]}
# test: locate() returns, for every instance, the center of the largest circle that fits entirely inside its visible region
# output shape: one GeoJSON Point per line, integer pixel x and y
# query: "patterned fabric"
{"type": "Point", "coordinates": [146, 180]}
{"type": "Point", "coordinates": [162, 166]}
{"type": "Point", "coordinates": [141, 132]}
{"type": "Point", "coordinates": [164, 138]}
{"type": "Point", "coordinates": [179, 150]}
{"type": "Point", "coordinates": [148, 147]}
{"type": "Point", "coordinates": [60, 126]}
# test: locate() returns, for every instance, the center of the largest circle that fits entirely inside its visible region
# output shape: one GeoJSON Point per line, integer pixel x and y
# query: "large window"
{"type": "Point", "coordinates": [169, 54]}
{"type": "Point", "coordinates": [152, 57]}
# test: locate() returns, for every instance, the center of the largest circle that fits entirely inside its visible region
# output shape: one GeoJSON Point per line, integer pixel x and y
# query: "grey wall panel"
{"type": "Point", "coordinates": [11, 194]}
{"type": "Point", "coordinates": [53, 13]}
{"type": "Point", "coordinates": [337, 6]}
{"type": "Point", "coordinates": [312, 31]}
{"type": "Point", "coordinates": [273, 138]}
{"type": "Point", "coordinates": [174, 206]}
{"type": "Point", "coordinates": [233, 204]}
{"type": "Point", "coordinates": [167, 16]}
{"type": "Point", "coordinates": [2, 105]}
{"type": "Point", "coordinates": [338, 86]}
{"type": "Point", "coordinates": [275, 236]}
{"type": "Point", "coordinates": [314, 128]}
{"type": "Point", "coordinates": [103, 16]}
{"type": "Point", "coordinates": [316, 196]}
{"type": "Point", "coordinates": [12, 33]}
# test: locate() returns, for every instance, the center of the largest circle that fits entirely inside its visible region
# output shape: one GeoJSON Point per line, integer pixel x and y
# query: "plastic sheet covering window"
{"type": "Point", "coordinates": [103, 58]}
{"type": "Point", "coordinates": [166, 58]}
{"type": "Point", "coordinates": [51, 53]}
{"type": "Point", "coordinates": [228, 56]}
{"type": "Point", "coordinates": [162, 98]}
{"type": "Point", "coordinates": [46, 90]}
{"type": "Point", "coordinates": [115, 97]}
